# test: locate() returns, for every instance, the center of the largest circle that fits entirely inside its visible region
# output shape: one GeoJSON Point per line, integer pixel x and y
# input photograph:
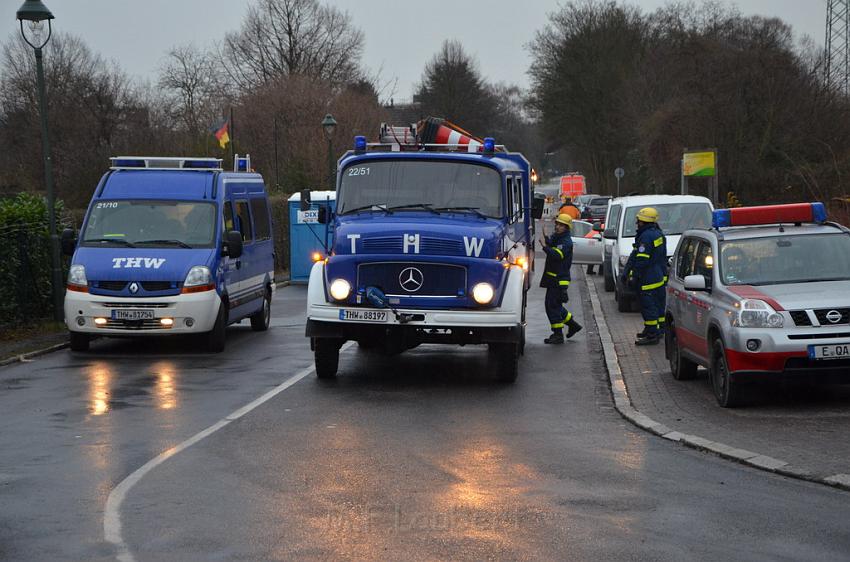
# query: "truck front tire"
{"type": "Point", "coordinates": [506, 356]}
{"type": "Point", "coordinates": [79, 342]}
{"type": "Point", "coordinates": [326, 355]}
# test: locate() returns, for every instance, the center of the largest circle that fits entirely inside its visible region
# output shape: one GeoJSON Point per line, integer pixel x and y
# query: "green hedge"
{"type": "Point", "coordinates": [24, 260]}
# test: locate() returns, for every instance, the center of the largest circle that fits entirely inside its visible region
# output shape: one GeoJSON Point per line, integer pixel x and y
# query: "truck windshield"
{"type": "Point", "coordinates": [673, 218]}
{"type": "Point", "coordinates": [155, 224]}
{"type": "Point", "coordinates": [785, 259]}
{"type": "Point", "coordinates": [407, 185]}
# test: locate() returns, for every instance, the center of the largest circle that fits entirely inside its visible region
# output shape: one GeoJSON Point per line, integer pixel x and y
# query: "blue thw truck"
{"type": "Point", "coordinates": [433, 243]}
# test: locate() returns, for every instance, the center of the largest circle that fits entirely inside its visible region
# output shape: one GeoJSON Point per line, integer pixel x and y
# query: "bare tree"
{"type": "Point", "coordinates": [191, 80]}
{"type": "Point", "coordinates": [282, 38]}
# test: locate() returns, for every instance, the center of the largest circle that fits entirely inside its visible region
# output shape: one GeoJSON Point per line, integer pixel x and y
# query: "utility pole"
{"type": "Point", "coordinates": [837, 55]}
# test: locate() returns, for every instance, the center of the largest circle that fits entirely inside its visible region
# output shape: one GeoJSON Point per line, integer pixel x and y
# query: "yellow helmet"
{"type": "Point", "coordinates": [647, 214]}
{"type": "Point", "coordinates": [564, 219]}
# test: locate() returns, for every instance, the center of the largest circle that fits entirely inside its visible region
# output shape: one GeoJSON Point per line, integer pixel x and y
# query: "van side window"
{"type": "Point", "coordinates": [685, 259]}
{"type": "Point", "coordinates": [228, 217]}
{"type": "Point", "coordinates": [704, 263]}
{"type": "Point", "coordinates": [519, 212]}
{"type": "Point", "coordinates": [509, 210]}
{"type": "Point", "coordinates": [614, 221]}
{"type": "Point", "coordinates": [260, 212]}
{"type": "Point", "coordinates": [244, 217]}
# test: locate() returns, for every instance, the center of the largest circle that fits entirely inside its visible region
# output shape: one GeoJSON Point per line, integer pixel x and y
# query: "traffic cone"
{"type": "Point", "coordinates": [439, 131]}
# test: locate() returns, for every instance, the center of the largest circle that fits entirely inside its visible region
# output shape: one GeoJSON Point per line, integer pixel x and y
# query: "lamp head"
{"type": "Point", "coordinates": [33, 10]}
{"type": "Point", "coordinates": [329, 125]}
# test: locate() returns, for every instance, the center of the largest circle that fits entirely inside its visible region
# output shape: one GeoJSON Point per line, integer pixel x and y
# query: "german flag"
{"type": "Point", "coordinates": [221, 133]}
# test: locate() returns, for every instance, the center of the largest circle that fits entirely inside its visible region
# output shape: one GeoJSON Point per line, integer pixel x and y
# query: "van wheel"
{"type": "Point", "coordinates": [506, 356]}
{"type": "Point", "coordinates": [216, 337]}
{"type": "Point", "coordinates": [727, 390]}
{"type": "Point", "coordinates": [79, 342]}
{"type": "Point", "coordinates": [326, 355]}
{"type": "Point", "coordinates": [682, 369]}
{"type": "Point", "coordinates": [608, 277]}
{"type": "Point", "coordinates": [260, 320]}
{"type": "Point", "coordinates": [624, 303]}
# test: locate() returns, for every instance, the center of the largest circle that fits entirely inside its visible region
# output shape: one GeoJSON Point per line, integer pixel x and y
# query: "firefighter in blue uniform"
{"type": "Point", "coordinates": [646, 271]}
{"type": "Point", "coordinates": [556, 280]}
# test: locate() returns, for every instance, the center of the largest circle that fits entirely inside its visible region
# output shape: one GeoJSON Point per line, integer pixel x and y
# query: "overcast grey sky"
{"type": "Point", "coordinates": [401, 35]}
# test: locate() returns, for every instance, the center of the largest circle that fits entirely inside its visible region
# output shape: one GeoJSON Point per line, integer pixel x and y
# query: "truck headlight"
{"type": "Point", "coordinates": [198, 275]}
{"type": "Point", "coordinates": [340, 289]}
{"type": "Point", "coordinates": [77, 275]}
{"type": "Point", "coordinates": [483, 293]}
{"type": "Point", "coordinates": [755, 313]}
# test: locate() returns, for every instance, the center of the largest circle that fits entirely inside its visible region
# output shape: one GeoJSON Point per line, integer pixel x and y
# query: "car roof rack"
{"type": "Point", "coordinates": [164, 163]}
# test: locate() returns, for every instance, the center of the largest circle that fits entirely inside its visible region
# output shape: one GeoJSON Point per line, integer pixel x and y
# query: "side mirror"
{"type": "Point", "coordinates": [233, 244]}
{"type": "Point", "coordinates": [597, 226]}
{"type": "Point", "coordinates": [696, 283]}
{"type": "Point", "coordinates": [68, 241]}
{"type": "Point", "coordinates": [537, 205]}
{"type": "Point", "coordinates": [324, 215]}
{"type": "Point", "coordinates": [610, 234]}
{"type": "Point", "coordinates": [305, 200]}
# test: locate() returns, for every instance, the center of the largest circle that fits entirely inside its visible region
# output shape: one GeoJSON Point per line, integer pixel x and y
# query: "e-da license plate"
{"type": "Point", "coordinates": [830, 351]}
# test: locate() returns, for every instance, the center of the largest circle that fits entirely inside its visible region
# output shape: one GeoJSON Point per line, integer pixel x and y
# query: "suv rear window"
{"type": "Point", "coordinates": [673, 218]}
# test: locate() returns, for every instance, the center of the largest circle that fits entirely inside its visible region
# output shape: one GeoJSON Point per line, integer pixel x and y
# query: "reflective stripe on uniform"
{"type": "Point", "coordinates": [558, 325]}
{"type": "Point", "coordinates": [658, 242]}
{"type": "Point", "coordinates": [569, 317]}
{"type": "Point", "coordinates": [662, 320]}
{"type": "Point", "coordinates": [552, 274]}
{"type": "Point", "coordinates": [560, 253]}
{"type": "Point", "coordinates": [563, 283]}
{"type": "Point", "coordinates": [652, 286]}
{"type": "Point", "coordinates": [650, 322]}
{"type": "Point", "coordinates": [643, 256]}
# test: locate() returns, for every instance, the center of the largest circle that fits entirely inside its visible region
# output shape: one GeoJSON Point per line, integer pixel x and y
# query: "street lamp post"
{"type": "Point", "coordinates": [35, 13]}
{"type": "Point", "coordinates": [329, 125]}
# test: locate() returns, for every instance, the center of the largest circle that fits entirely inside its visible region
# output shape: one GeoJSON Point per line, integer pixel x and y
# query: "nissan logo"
{"type": "Point", "coordinates": [834, 316]}
{"type": "Point", "coordinates": [134, 288]}
{"type": "Point", "coordinates": [410, 279]}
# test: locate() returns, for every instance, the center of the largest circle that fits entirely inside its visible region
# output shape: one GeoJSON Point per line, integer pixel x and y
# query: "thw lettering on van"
{"type": "Point", "coordinates": [411, 240]}
{"type": "Point", "coordinates": [473, 245]}
{"type": "Point", "coordinates": [147, 263]}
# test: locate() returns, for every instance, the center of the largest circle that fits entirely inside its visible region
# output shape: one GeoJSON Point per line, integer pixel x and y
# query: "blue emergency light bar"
{"type": "Point", "coordinates": [164, 163]}
{"type": "Point", "coordinates": [770, 214]}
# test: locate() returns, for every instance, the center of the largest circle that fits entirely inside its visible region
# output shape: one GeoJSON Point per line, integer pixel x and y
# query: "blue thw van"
{"type": "Point", "coordinates": [171, 246]}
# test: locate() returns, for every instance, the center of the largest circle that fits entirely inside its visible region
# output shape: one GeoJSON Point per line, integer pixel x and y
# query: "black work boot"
{"type": "Point", "coordinates": [556, 337]}
{"type": "Point", "coordinates": [573, 328]}
{"type": "Point", "coordinates": [650, 339]}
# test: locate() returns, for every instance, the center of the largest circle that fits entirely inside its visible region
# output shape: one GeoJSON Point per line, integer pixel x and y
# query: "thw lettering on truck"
{"type": "Point", "coordinates": [148, 263]}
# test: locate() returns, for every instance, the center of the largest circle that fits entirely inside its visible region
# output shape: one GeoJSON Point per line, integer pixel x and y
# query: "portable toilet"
{"type": "Point", "coordinates": [306, 235]}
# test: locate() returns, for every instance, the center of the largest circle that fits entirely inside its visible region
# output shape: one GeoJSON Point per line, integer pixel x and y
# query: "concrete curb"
{"type": "Point", "coordinates": [623, 404]}
{"type": "Point", "coordinates": [24, 357]}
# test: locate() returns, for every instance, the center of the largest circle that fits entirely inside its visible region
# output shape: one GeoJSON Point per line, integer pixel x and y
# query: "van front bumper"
{"type": "Point", "coordinates": [190, 314]}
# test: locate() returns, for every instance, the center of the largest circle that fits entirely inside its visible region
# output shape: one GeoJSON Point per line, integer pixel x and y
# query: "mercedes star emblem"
{"type": "Point", "coordinates": [134, 288]}
{"type": "Point", "coordinates": [411, 279]}
{"type": "Point", "coordinates": [833, 316]}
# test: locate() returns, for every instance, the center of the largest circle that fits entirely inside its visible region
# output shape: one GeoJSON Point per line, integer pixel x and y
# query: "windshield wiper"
{"type": "Point", "coordinates": [367, 208]}
{"type": "Point", "coordinates": [426, 206]}
{"type": "Point", "coordinates": [172, 242]}
{"type": "Point", "coordinates": [115, 240]}
{"type": "Point", "coordinates": [473, 209]}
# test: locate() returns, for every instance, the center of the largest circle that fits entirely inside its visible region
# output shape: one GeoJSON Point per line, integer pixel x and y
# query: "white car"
{"type": "Point", "coordinates": [677, 213]}
{"type": "Point", "coordinates": [587, 247]}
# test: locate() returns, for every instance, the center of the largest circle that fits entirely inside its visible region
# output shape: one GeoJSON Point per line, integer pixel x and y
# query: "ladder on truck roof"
{"type": "Point", "coordinates": [429, 135]}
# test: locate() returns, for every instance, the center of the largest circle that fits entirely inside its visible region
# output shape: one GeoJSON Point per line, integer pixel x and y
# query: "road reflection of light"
{"type": "Point", "coordinates": [164, 390]}
{"type": "Point", "coordinates": [99, 377]}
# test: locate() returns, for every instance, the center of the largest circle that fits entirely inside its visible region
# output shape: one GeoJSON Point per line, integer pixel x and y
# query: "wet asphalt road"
{"type": "Point", "coordinates": [419, 456]}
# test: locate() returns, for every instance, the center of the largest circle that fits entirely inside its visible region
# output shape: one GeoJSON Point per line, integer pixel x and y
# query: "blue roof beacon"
{"type": "Point", "coordinates": [171, 246]}
{"type": "Point", "coordinates": [432, 243]}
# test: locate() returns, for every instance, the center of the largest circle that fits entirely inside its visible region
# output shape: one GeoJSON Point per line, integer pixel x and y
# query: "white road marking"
{"type": "Point", "coordinates": [112, 513]}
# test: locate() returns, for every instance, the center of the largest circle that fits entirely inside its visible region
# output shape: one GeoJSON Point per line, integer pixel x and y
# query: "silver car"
{"type": "Point", "coordinates": [587, 244]}
{"type": "Point", "coordinates": [760, 302]}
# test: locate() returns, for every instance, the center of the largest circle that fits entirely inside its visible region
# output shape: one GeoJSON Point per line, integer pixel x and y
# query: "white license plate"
{"type": "Point", "coordinates": [363, 315]}
{"type": "Point", "coordinates": [830, 351]}
{"type": "Point", "coordinates": [132, 314]}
